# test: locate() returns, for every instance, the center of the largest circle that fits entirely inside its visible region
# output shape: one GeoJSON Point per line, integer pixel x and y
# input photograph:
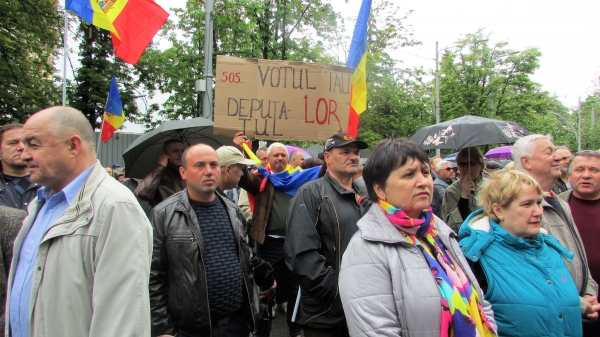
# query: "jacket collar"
{"type": "Point", "coordinates": [375, 226]}
{"type": "Point", "coordinates": [339, 188]}
{"type": "Point", "coordinates": [183, 205]}
{"type": "Point", "coordinates": [80, 206]}
{"type": "Point", "coordinates": [479, 231]}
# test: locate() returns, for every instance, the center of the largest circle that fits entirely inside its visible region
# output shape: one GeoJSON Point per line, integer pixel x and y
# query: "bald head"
{"type": "Point", "coordinates": [58, 145]}
{"type": "Point", "coordinates": [65, 121]}
{"type": "Point", "coordinates": [184, 158]}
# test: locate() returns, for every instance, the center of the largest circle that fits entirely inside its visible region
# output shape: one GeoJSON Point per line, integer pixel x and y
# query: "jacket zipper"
{"type": "Point", "coordinates": [338, 254]}
{"type": "Point", "coordinates": [240, 257]}
{"type": "Point", "coordinates": [584, 266]}
{"type": "Point", "coordinates": [203, 267]}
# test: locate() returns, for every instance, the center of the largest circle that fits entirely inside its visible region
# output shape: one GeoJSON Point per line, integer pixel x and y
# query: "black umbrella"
{"type": "Point", "coordinates": [141, 156]}
{"type": "Point", "coordinates": [468, 131]}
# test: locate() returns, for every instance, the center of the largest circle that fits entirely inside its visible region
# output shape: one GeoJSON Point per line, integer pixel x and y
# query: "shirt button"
{"type": "Point", "coordinates": [533, 257]}
{"type": "Point", "coordinates": [549, 281]}
{"type": "Point", "coordinates": [474, 256]}
{"type": "Point", "coordinates": [39, 267]}
{"type": "Point", "coordinates": [560, 315]}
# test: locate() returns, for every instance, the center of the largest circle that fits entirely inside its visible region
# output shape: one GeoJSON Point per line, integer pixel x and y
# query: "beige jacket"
{"type": "Point", "coordinates": [93, 265]}
{"type": "Point", "coordinates": [566, 232]}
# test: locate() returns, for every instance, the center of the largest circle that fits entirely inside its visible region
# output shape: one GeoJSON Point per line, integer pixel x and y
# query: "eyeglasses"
{"type": "Point", "coordinates": [448, 169]}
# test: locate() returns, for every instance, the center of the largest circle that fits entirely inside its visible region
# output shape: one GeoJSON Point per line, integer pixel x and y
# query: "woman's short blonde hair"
{"type": "Point", "coordinates": [502, 188]}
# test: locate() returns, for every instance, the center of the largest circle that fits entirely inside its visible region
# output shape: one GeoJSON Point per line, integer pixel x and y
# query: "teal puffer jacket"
{"type": "Point", "coordinates": [529, 286]}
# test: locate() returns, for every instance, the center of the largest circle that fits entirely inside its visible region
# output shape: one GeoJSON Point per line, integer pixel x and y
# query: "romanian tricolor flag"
{"type": "Point", "coordinates": [133, 23]}
{"type": "Point", "coordinates": [357, 60]}
{"type": "Point", "coordinates": [113, 114]}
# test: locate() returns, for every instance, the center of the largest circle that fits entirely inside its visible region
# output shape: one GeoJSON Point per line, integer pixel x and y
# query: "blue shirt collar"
{"type": "Point", "coordinates": [70, 191]}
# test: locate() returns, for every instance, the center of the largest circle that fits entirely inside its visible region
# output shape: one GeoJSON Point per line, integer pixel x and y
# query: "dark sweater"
{"type": "Point", "coordinates": [585, 214]}
{"type": "Point", "coordinates": [220, 256]}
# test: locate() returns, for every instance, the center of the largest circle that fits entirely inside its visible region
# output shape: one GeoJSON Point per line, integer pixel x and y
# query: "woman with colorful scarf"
{"type": "Point", "coordinates": [519, 266]}
{"type": "Point", "coordinates": [403, 273]}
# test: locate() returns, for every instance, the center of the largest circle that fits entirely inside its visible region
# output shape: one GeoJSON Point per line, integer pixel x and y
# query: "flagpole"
{"type": "Point", "coordinates": [65, 56]}
{"type": "Point", "coordinates": [101, 128]}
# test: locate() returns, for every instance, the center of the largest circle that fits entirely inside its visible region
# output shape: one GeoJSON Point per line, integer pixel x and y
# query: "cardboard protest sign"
{"type": "Point", "coordinates": [281, 99]}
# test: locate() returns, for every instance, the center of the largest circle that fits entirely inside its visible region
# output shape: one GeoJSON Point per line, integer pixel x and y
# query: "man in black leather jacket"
{"type": "Point", "coordinates": [16, 189]}
{"type": "Point", "coordinates": [321, 221]}
{"type": "Point", "coordinates": [203, 273]}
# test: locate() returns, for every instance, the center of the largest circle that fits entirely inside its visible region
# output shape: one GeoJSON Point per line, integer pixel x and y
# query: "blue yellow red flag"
{"type": "Point", "coordinates": [114, 106]}
{"type": "Point", "coordinates": [357, 60]}
{"type": "Point", "coordinates": [133, 23]}
{"type": "Point", "coordinates": [113, 113]}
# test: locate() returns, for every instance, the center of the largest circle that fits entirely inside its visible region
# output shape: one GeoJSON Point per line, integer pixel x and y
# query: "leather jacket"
{"type": "Point", "coordinates": [178, 283]}
{"type": "Point", "coordinates": [321, 221]}
{"type": "Point", "coordinates": [9, 197]}
{"type": "Point", "coordinates": [159, 184]}
{"type": "Point", "coordinates": [262, 203]}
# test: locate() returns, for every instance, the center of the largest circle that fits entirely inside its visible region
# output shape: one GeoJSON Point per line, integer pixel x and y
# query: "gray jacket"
{"type": "Point", "coordinates": [9, 197]}
{"type": "Point", "coordinates": [566, 232]}
{"type": "Point", "coordinates": [450, 213]}
{"type": "Point", "coordinates": [11, 220]}
{"type": "Point", "coordinates": [386, 285]}
{"type": "Point", "coordinates": [93, 265]}
{"type": "Point", "coordinates": [439, 189]}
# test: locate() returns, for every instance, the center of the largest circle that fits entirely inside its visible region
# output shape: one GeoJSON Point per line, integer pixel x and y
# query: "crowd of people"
{"type": "Point", "coordinates": [213, 242]}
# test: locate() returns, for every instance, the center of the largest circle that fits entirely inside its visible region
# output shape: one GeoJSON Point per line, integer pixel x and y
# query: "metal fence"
{"type": "Point", "coordinates": [111, 152]}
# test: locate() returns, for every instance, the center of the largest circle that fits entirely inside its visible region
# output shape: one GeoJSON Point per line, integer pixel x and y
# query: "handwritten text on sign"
{"type": "Point", "coordinates": [281, 99]}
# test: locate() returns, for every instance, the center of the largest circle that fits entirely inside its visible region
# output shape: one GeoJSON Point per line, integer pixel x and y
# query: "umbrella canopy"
{"type": "Point", "coordinates": [500, 152]}
{"type": "Point", "coordinates": [468, 131]}
{"type": "Point", "coordinates": [141, 156]}
{"type": "Point", "coordinates": [294, 148]}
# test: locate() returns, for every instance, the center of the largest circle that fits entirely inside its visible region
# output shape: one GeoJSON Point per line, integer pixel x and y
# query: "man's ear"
{"type": "Point", "coordinates": [525, 162]}
{"type": "Point", "coordinates": [182, 172]}
{"type": "Point", "coordinates": [75, 143]}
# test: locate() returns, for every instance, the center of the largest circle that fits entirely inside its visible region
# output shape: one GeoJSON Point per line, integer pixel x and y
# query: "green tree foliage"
{"type": "Point", "coordinates": [275, 29]}
{"type": "Point", "coordinates": [494, 81]}
{"type": "Point", "coordinates": [92, 79]}
{"type": "Point", "coordinates": [29, 36]}
{"type": "Point", "coordinates": [590, 134]}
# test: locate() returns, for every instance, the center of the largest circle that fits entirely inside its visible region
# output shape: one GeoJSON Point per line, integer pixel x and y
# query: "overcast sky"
{"type": "Point", "coordinates": [566, 32]}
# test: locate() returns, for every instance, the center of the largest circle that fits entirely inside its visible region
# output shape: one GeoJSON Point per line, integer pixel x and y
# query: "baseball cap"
{"type": "Point", "coordinates": [115, 165]}
{"type": "Point", "coordinates": [342, 139]}
{"type": "Point", "coordinates": [229, 155]}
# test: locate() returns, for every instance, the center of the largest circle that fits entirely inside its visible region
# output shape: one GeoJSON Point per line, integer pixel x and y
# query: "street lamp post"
{"type": "Point", "coordinates": [577, 135]}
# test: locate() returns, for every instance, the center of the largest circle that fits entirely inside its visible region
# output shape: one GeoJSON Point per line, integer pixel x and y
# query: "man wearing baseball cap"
{"type": "Point", "coordinates": [321, 220]}
{"type": "Point", "coordinates": [232, 164]}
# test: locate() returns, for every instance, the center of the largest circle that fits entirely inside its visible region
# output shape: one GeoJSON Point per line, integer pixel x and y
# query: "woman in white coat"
{"type": "Point", "coordinates": [403, 273]}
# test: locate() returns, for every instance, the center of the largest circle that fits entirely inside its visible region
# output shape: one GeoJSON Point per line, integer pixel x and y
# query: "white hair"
{"type": "Point", "coordinates": [440, 164]}
{"type": "Point", "coordinates": [275, 145]}
{"type": "Point", "coordinates": [524, 147]}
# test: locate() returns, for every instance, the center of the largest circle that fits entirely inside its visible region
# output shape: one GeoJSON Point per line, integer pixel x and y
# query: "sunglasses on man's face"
{"type": "Point", "coordinates": [448, 169]}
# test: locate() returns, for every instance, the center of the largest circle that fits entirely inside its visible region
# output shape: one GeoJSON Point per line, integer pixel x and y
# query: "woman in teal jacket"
{"type": "Point", "coordinates": [518, 265]}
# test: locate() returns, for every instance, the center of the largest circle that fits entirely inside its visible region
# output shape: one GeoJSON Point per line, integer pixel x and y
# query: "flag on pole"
{"type": "Point", "coordinates": [113, 114]}
{"type": "Point", "coordinates": [133, 23]}
{"type": "Point", "coordinates": [357, 60]}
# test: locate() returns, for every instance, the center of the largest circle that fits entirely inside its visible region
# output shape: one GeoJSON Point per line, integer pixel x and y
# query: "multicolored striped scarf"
{"type": "Point", "coordinates": [462, 315]}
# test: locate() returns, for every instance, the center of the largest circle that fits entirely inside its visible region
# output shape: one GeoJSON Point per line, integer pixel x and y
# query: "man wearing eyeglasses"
{"type": "Point", "coordinates": [562, 184]}
{"type": "Point", "coordinates": [446, 176]}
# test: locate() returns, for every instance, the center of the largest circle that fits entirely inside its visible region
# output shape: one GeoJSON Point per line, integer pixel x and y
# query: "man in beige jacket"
{"type": "Point", "coordinates": [536, 155]}
{"type": "Point", "coordinates": [82, 259]}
